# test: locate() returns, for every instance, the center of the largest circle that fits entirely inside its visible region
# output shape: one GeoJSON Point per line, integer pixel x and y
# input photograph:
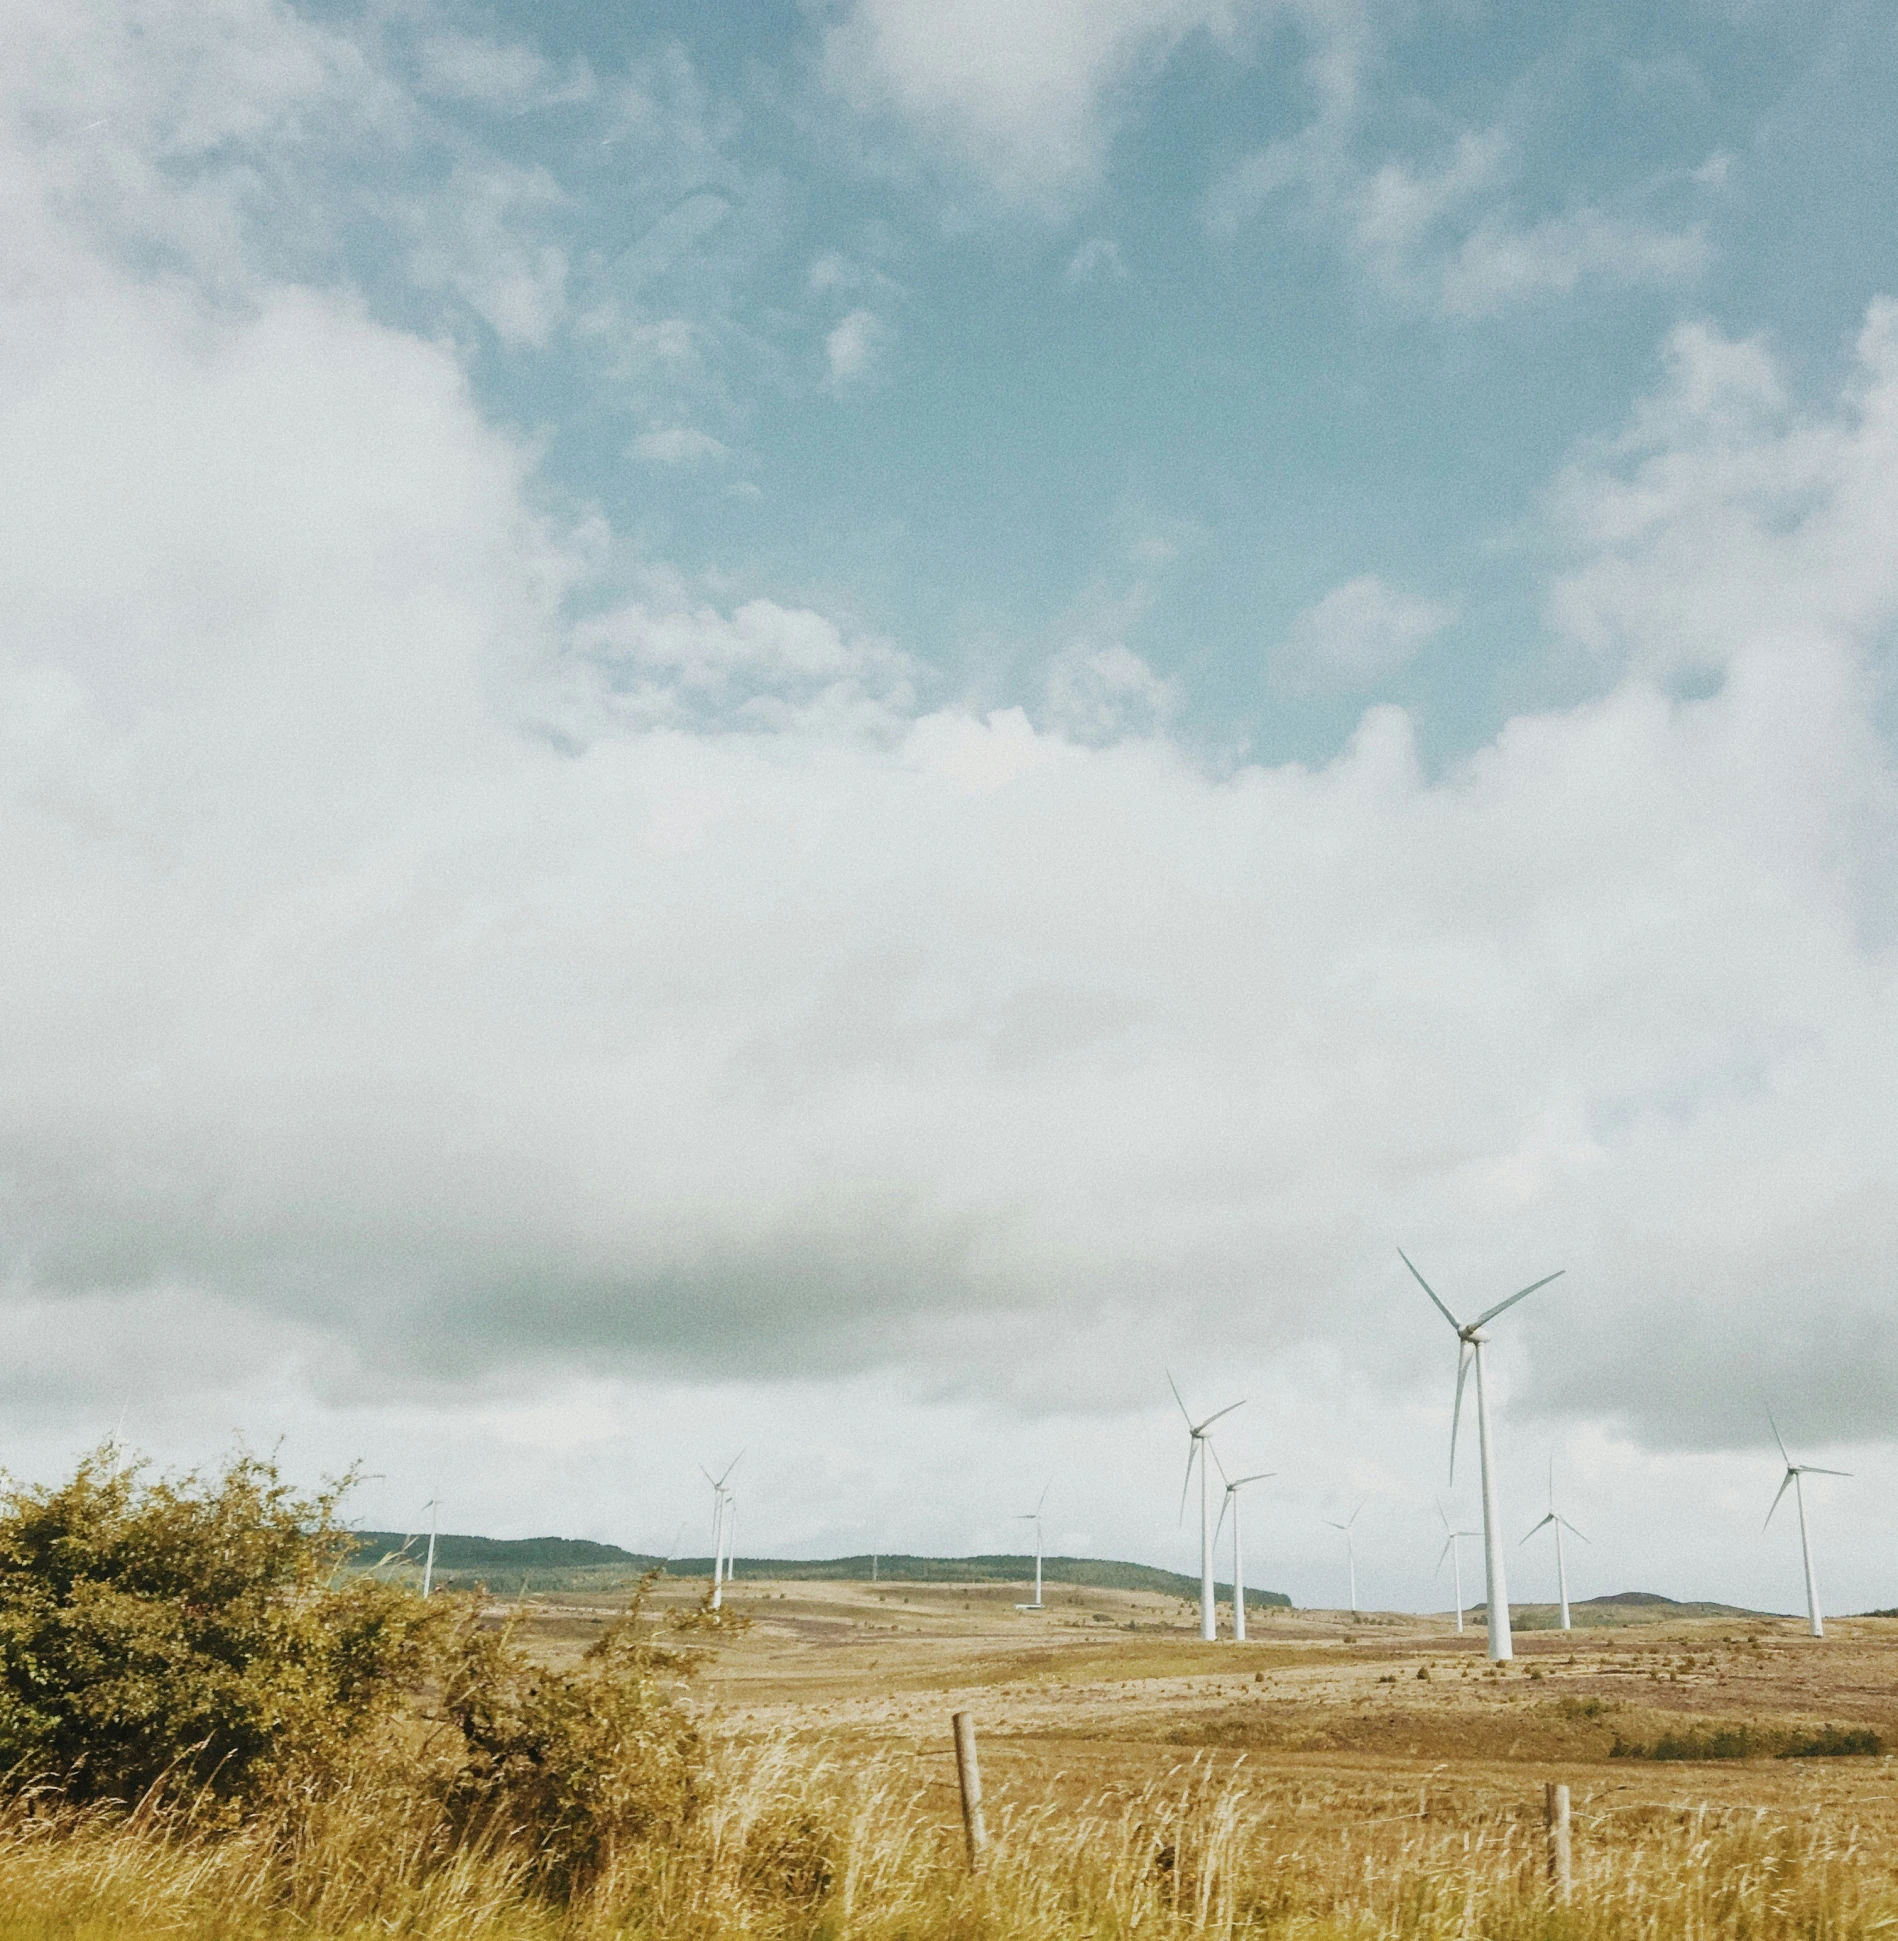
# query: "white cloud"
{"type": "Point", "coordinates": [677, 445]}
{"type": "Point", "coordinates": [1358, 634]}
{"type": "Point", "coordinates": [1452, 234]}
{"type": "Point", "coordinates": [342, 998]}
{"type": "Point", "coordinates": [764, 666]}
{"type": "Point", "coordinates": [853, 350]}
{"type": "Point", "coordinates": [1098, 260]}
{"type": "Point", "coordinates": [1025, 98]}
{"type": "Point", "coordinates": [407, 987]}
{"type": "Point", "coordinates": [1725, 520]}
{"type": "Point", "coordinates": [497, 74]}
{"type": "Point", "coordinates": [479, 239]}
{"type": "Point", "coordinates": [1100, 694]}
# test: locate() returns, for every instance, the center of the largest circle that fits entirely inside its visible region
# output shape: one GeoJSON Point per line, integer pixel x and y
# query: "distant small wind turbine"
{"type": "Point", "coordinates": [1453, 1549]}
{"type": "Point", "coordinates": [1233, 1487]}
{"type": "Point", "coordinates": [1559, 1523]}
{"type": "Point", "coordinates": [1471, 1338]}
{"type": "Point", "coordinates": [428, 1569]}
{"type": "Point", "coordinates": [1350, 1552]}
{"type": "Point", "coordinates": [1196, 1452]}
{"type": "Point", "coordinates": [721, 1523]}
{"type": "Point", "coordinates": [1034, 1516]}
{"type": "Point", "coordinates": [1794, 1471]}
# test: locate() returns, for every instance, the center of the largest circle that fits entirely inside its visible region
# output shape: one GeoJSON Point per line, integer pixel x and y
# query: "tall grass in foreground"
{"type": "Point", "coordinates": [787, 1847]}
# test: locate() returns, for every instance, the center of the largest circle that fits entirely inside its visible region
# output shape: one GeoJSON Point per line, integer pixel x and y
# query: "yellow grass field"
{"type": "Point", "coordinates": [1323, 1779]}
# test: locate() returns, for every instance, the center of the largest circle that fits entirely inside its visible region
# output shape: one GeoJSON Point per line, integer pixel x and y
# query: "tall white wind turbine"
{"type": "Point", "coordinates": [1471, 1338]}
{"type": "Point", "coordinates": [1034, 1516]}
{"type": "Point", "coordinates": [1558, 1522]}
{"type": "Point", "coordinates": [1233, 1486]}
{"type": "Point", "coordinates": [722, 1519]}
{"type": "Point", "coordinates": [428, 1569]}
{"type": "Point", "coordinates": [1791, 1480]}
{"type": "Point", "coordinates": [1453, 1549]}
{"type": "Point", "coordinates": [1196, 1452]}
{"type": "Point", "coordinates": [1350, 1552]}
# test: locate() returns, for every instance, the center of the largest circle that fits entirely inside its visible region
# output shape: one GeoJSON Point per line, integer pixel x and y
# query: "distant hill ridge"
{"type": "Point", "coordinates": [458, 1556]}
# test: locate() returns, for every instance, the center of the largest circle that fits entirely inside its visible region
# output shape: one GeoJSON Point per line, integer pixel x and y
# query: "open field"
{"type": "Point", "coordinates": [1326, 1781]}
{"type": "Point", "coordinates": [1348, 1757]}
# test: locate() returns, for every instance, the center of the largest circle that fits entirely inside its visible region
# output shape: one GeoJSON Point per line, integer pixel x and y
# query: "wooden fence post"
{"type": "Point", "coordinates": [1555, 1813]}
{"type": "Point", "coordinates": [970, 1777]}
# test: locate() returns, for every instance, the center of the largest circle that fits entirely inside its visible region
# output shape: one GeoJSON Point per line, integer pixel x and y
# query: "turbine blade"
{"type": "Point", "coordinates": [1777, 1437]}
{"type": "Point", "coordinates": [1465, 1355]}
{"type": "Point", "coordinates": [1217, 1413]}
{"type": "Point", "coordinates": [1489, 1314]}
{"type": "Point", "coordinates": [1431, 1291]}
{"type": "Point", "coordinates": [1179, 1398]}
{"type": "Point", "coordinates": [1785, 1483]}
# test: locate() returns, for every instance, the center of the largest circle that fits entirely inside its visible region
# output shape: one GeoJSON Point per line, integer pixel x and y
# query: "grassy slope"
{"type": "Point", "coordinates": [570, 1563]}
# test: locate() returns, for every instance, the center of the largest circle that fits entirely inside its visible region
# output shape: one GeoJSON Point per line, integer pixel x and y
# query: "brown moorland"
{"type": "Point", "coordinates": [1329, 1778]}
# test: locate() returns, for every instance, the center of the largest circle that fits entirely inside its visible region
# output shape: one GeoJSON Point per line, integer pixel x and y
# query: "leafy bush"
{"type": "Point", "coordinates": [577, 1764]}
{"type": "Point", "coordinates": [1718, 1742]}
{"type": "Point", "coordinates": [188, 1631]}
{"type": "Point", "coordinates": [1837, 1742]}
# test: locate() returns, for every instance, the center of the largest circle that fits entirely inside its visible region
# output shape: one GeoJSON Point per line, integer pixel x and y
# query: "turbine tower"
{"type": "Point", "coordinates": [1034, 1516]}
{"type": "Point", "coordinates": [1471, 1338]}
{"type": "Point", "coordinates": [1196, 1452]}
{"type": "Point", "coordinates": [722, 1520]}
{"type": "Point", "coordinates": [428, 1569]}
{"type": "Point", "coordinates": [1350, 1552]}
{"type": "Point", "coordinates": [1233, 1487]}
{"type": "Point", "coordinates": [1453, 1549]}
{"type": "Point", "coordinates": [1559, 1523]}
{"type": "Point", "coordinates": [1791, 1480]}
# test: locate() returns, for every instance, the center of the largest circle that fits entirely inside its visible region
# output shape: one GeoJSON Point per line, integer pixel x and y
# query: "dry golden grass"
{"type": "Point", "coordinates": [1140, 1785]}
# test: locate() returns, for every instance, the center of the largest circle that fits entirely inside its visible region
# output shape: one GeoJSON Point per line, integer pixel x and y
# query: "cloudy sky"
{"type": "Point", "coordinates": [828, 727]}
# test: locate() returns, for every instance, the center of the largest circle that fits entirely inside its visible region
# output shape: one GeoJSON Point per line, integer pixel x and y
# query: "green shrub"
{"type": "Point", "coordinates": [187, 1631]}
{"type": "Point", "coordinates": [1590, 1707]}
{"type": "Point", "coordinates": [1717, 1742]}
{"type": "Point", "coordinates": [578, 1765]}
{"type": "Point", "coordinates": [1837, 1742]}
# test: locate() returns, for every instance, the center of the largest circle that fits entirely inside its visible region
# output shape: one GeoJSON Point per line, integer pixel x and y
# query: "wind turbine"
{"type": "Point", "coordinates": [428, 1569]}
{"type": "Point", "coordinates": [1560, 1523]}
{"type": "Point", "coordinates": [722, 1518]}
{"type": "Point", "coordinates": [1350, 1552]}
{"type": "Point", "coordinates": [1034, 1516]}
{"type": "Point", "coordinates": [1794, 1471]}
{"type": "Point", "coordinates": [1452, 1548]}
{"type": "Point", "coordinates": [1471, 1337]}
{"type": "Point", "coordinates": [1233, 1487]}
{"type": "Point", "coordinates": [1196, 1452]}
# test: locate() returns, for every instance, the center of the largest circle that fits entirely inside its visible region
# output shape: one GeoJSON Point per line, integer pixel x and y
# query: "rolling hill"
{"type": "Point", "coordinates": [573, 1563]}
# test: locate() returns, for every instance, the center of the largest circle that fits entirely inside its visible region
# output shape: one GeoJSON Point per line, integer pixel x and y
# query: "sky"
{"type": "Point", "coordinates": [831, 728]}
